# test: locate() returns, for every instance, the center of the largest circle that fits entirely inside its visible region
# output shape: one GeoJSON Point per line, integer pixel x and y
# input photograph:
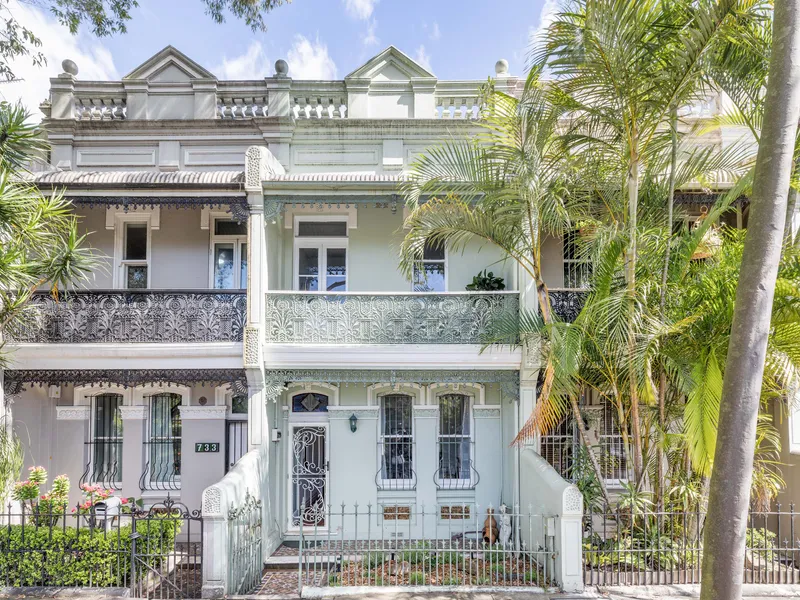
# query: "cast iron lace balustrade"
{"type": "Point", "coordinates": [133, 316]}
{"type": "Point", "coordinates": [567, 304]}
{"type": "Point", "coordinates": [411, 318]}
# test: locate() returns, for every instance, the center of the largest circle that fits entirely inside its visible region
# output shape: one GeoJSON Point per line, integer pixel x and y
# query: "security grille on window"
{"type": "Point", "coordinates": [397, 441]}
{"type": "Point", "coordinates": [429, 273]}
{"type": "Point", "coordinates": [455, 448]}
{"type": "Point", "coordinates": [163, 468]}
{"type": "Point", "coordinates": [104, 448]}
{"type": "Point", "coordinates": [577, 268]}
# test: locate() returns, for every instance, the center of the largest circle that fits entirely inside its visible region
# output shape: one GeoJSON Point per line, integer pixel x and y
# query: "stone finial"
{"type": "Point", "coordinates": [501, 68]}
{"type": "Point", "coordinates": [281, 68]}
{"type": "Point", "coordinates": [69, 67]}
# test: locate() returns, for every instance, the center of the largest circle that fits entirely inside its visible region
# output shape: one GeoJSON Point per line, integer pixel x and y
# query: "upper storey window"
{"type": "Point", "coordinates": [229, 255]}
{"type": "Point", "coordinates": [320, 254]}
{"type": "Point", "coordinates": [577, 268]}
{"type": "Point", "coordinates": [430, 272]}
{"type": "Point", "coordinates": [132, 250]}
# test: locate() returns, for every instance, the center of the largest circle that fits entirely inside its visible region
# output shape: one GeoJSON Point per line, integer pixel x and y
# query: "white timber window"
{"type": "Point", "coordinates": [320, 253]}
{"type": "Point", "coordinates": [577, 267]}
{"type": "Point", "coordinates": [228, 254]}
{"type": "Point", "coordinates": [163, 441]}
{"type": "Point", "coordinates": [104, 465]}
{"type": "Point", "coordinates": [430, 272]}
{"type": "Point", "coordinates": [455, 440]}
{"type": "Point", "coordinates": [133, 252]}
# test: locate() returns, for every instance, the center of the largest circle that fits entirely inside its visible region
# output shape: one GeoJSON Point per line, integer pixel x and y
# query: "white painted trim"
{"type": "Point", "coordinates": [235, 240]}
{"type": "Point", "coordinates": [73, 413]}
{"type": "Point", "coordinates": [329, 389]}
{"type": "Point", "coordinates": [223, 355]}
{"type": "Point", "coordinates": [390, 356]}
{"type": "Point", "coordinates": [143, 392]}
{"type": "Point", "coordinates": [360, 411]}
{"type": "Point", "coordinates": [151, 217]}
{"type": "Point", "coordinates": [316, 212]}
{"type": "Point", "coordinates": [200, 413]}
{"type": "Point", "coordinates": [82, 394]}
{"type": "Point", "coordinates": [473, 390]}
{"type": "Point", "coordinates": [446, 274]}
{"type": "Point", "coordinates": [377, 390]}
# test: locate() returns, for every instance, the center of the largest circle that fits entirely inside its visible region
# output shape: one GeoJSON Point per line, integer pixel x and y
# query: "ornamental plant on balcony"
{"type": "Point", "coordinates": [486, 282]}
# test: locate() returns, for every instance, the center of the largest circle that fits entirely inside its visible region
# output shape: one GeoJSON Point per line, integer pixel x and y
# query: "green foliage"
{"type": "Point", "coordinates": [486, 282]}
{"type": "Point", "coordinates": [373, 560]}
{"type": "Point", "coordinates": [104, 18]}
{"type": "Point", "coordinates": [419, 554]}
{"type": "Point", "coordinates": [416, 578]}
{"type": "Point", "coordinates": [761, 542]}
{"type": "Point", "coordinates": [53, 556]}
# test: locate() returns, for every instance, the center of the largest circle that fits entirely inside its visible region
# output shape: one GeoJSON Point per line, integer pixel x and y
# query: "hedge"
{"type": "Point", "coordinates": [65, 556]}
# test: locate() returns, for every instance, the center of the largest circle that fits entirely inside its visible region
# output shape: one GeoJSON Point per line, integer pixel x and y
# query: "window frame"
{"type": "Point", "coordinates": [582, 265]}
{"type": "Point", "coordinates": [238, 241]}
{"type": "Point", "coordinates": [120, 263]}
{"type": "Point", "coordinates": [445, 262]}
{"type": "Point", "coordinates": [459, 483]}
{"type": "Point", "coordinates": [321, 244]}
{"type": "Point", "coordinates": [392, 483]}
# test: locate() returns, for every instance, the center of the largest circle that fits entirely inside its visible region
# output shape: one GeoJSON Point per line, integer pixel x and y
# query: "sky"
{"type": "Point", "coordinates": [320, 39]}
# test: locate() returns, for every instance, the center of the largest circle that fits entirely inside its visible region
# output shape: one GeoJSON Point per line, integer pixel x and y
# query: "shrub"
{"type": "Point", "coordinates": [373, 559]}
{"type": "Point", "coordinates": [416, 578]}
{"type": "Point", "coordinates": [419, 554]}
{"type": "Point", "coordinates": [31, 555]}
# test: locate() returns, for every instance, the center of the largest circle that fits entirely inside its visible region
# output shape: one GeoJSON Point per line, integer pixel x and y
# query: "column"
{"type": "Point", "coordinates": [133, 434]}
{"type": "Point", "coordinates": [67, 445]}
{"type": "Point", "coordinates": [203, 425]}
{"type": "Point", "coordinates": [489, 445]}
{"type": "Point", "coordinates": [426, 462]}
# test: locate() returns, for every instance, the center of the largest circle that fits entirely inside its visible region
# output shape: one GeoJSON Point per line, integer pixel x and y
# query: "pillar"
{"type": "Point", "coordinates": [133, 460]}
{"type": "Point", "coordinates": [201, 425]}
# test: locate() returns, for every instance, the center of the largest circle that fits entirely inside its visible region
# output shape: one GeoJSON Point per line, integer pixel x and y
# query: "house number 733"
{"type": "Point", "coordinates": [206, 447]}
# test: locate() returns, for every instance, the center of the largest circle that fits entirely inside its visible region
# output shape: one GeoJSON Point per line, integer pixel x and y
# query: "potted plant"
{"type": "Point", "coordinates": [486, 282]}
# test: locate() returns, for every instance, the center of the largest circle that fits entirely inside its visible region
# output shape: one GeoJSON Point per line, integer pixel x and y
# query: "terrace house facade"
{"type": "Point", "coordinates": [250, 305]}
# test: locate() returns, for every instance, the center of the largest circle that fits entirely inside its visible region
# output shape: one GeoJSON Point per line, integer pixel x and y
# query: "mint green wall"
{"type": "Point", "coordinates": [374, 248]}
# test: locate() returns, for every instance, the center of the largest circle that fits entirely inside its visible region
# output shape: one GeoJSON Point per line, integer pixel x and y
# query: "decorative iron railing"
{"type": "Point", "coordinates": [133, 316]}
{"type": "Point", "coordinates": [396, 460]}
{"type": "Point", "coordinates": [567, 303]}
{"type": "Point", "coordinates": [410, 318]}
{"type": "Point", "coordinates": [456, 469]}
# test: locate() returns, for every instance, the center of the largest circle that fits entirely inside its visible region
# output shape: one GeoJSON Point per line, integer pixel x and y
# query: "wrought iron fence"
{"type": "Point", "coordinates": [650, 547]}
{"type": "Point", "coordinates": [449, 546]}
{"type": "Point", "coordinates": [567, 303]}
{"type": "Point", "coordinates": [411, 318]}
{"type": "Point", "coordinates": [155, 553]}
{"type": "Point", "coordinates": [235, 442]}
{"type": "Point", "coordinates": [245, 560]}
{"type": "Point", "coordinates": [132, 316]}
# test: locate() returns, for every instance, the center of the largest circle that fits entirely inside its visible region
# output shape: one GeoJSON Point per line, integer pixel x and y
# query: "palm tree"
{"type": "Point", "coordinates": [747, 349]}
{"type": "Point", "coordinates": [508, 186]}
{"type": "Point", "coordinates": [39, 241]}
{"type": "Point", "coordinates": [623, 69]}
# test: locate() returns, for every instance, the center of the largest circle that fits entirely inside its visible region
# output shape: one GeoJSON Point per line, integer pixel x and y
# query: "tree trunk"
{"type": "Point", "coordinates": [726, 523]}
{"type": "Point", "coordinates": [630, 276]}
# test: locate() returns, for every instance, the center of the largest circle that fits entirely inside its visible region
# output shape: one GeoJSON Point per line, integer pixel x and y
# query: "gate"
{"type": "Point", "coordinates": [245, 556]}
{"type": "Point", "coordinates": [166, 552]}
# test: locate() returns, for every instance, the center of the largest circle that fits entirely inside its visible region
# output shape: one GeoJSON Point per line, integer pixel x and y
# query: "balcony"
{"type": "Point", "coordinates": [373, 318]}
{"type": "Point", "coordinates": [128, 316]}
{"type": "Point", "coordinates": [567, 303]}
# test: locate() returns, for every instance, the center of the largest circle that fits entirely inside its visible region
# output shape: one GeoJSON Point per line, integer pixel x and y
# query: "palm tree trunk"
{"type": "Point", "coordinates": [790, 208]}
{"type": "Point", "coordinates": [662, 380]}
{"type": "Point", "coordinates": [726, 523]}
{"type": "Point", "coordinates": [630, 276]}
{"type": "Point", "coordinates": [547, 316]}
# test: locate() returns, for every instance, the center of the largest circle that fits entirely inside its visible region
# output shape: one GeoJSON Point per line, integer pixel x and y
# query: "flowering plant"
{"type": "Point", "coordinates": [92, 494]}
{"type": "Point", "coordinates": [45, 507]}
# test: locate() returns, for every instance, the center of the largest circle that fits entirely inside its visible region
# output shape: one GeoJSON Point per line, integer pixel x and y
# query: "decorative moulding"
{"type": "Point", "coordinates": [486, 412]}
{"type": "Point", "coordinates": [72, 413]}
{"type": "Point", "coordinates": [344, 412]}
{"type": "Point", "coordinates": [425, 411]}
{"type": "Point", "coordinates": [197, 413]}
{"type": "Point", "coordinates": [133, 412]}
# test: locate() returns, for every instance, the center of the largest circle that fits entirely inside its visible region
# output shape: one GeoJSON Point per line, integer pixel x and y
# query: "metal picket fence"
{"type": "Point", "coordinates": [650, 547]}
{"type": "Point", "coordinates": [245, 555]}
{"type": "Point", "coordinates": [449, 546]}
{"type": "Point", "coordinates": [155, 553]}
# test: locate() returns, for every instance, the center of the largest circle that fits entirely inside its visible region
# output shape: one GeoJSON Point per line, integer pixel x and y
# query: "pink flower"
{"type": "Point", "coordinates": [124, 500]}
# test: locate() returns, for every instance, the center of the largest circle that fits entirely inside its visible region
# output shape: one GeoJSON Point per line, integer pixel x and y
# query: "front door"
{"type": "Point", "coordinates": [308, 476]}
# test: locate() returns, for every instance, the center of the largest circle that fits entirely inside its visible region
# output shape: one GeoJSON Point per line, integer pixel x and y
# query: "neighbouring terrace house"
{"type": "Point", "coordinates": [250, 332]}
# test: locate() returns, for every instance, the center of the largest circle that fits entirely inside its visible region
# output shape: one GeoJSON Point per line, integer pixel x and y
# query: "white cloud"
{"type": "Point", "coordinates": [549, 10]}
{"type": "Point", "coordinates": [423, 59]}
{"type": "Point", "coordinates": [310, 60]}
{"type": "Point", "coordinates": [435, 33]}
{"type": "Point", "coordinates": [93, 59]}
{"type": "Point", "coordinates": [252, 64]}
{"type": "Point", "coordinates": [370, 39]}
{"type": "Point", "coordinates": [360, 9]}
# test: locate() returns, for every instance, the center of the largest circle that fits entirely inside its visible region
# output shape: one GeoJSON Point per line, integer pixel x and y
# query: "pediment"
{"type": "Point", "coordinates": [170, 65]}
{"type": "Point", "coordinates": [391, 65]}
